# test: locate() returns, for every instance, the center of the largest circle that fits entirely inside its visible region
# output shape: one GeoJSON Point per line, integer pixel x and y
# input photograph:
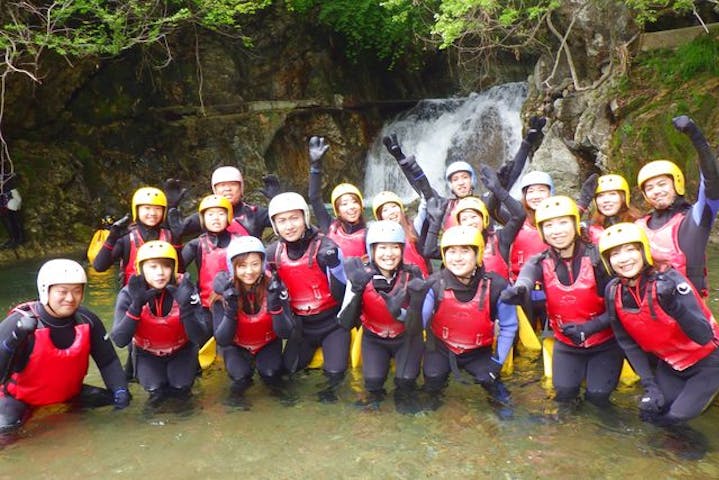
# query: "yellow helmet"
{"type": "Point", "coordinates": [155, 249]}
{"type": "Point", "coordinates": [149, 196]}
{"type": "Point", "coordinates": [340, 190]}
{"type": "Point", "coordinates": [662, 167]}
{"type": "Point", "coordinates": [472, 203]}
{"type": "Point", "coordinates": [211, 201]}
{"type": "Point", "coordinates": [383, 198]}
{"type": "Point", "coordinates": [460, 235]}
{"type": "Point", "coordinates": [621, 234]}
{"type": "Point", "coordinates": [555, 207]}
{"type": "Point", "coordinates": [612, 182]}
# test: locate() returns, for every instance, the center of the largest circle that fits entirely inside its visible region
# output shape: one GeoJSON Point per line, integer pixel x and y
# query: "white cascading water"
{"type": "Point", "coordinates": [483, 128]}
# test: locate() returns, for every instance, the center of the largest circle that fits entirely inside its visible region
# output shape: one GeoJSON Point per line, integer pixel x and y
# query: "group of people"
{"type": "Point", "coordinates": [616, 286]}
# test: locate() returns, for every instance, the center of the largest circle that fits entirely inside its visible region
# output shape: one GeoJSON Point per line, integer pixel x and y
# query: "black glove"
{"type": "Point", "coordinates": [185, 292]}
{"type": "Point", "coordinates": [513, 295]}
{"type": "Point", "coordinates": [587, 193]}
{"type": "Point", "coordinates": [504, 173]}
{"type": "Point", "coordinates": [271, 186]}
{"type": "Point", "coordinates": [139, 293]}
{"type": "Point", "coordinates": [329, 255]}
{"type": "Point", "coordinates": [395, 302]}
{"type": "Point", "coordinates": [576, 332]}
{"type": "Point", "coordinates": [417, 288]}
{"type": "Point", "coordinates": [536, 124]}
{"type": "Point", "coordinates": [392, 145]}
{"type": "Point", "coordinates": [121, 398]}
{"type": "Point", "coordinates": [491, 181]}
{"type": "Point", "coordinates": [495, 369]}
{"type": "Point", "coordinates": [435, 211]}
{"type": "Point", "coordinates": [174, 192]}
{"type": "Point", "coordinates": [318, 147]}
{"type": "Point", "coordinates": [357, 273]}
{"type": "Point", "coordinates": [652, 401]}
{"type": "Point", "coordinates": [684, 124]}
{"type": "Point", "coordinates": [276, 292]}
{"type": "Point", "coordinates": [222, 285]}
{"type": "Point", "coordinates": [174, 221]}
{"type": "Point", "coordinates": [118, 229]}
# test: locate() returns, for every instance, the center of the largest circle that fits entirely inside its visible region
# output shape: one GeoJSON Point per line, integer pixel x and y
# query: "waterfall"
{"type": "Point", "coordinates": [481, 128]}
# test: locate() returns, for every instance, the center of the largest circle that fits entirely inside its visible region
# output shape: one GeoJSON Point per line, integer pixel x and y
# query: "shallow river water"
{"type": "Point", "coordinates": [271, 438]}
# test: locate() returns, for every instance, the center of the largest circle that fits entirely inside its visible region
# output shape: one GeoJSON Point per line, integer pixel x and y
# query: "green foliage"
{"type": "Point", "coordinates": [387, 29]}
{"type": "Point", "coordinates": [699, 57]}
{"type": "Point", "coordinates": [489, 21]}
{"type": "Point", "coordinates": [647, 11]}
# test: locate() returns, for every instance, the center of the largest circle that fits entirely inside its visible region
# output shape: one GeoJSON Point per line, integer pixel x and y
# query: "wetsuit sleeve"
{"type": "Point", "coordinates": [263, 219]}
{"type": "Point", "coordinates": [430, 246]}
{"type": "Point", "coordinates": [512, 226]}
{"type": "Point", "coordinates": [349, 314]}
{"type": "Point", "coordinates": [416, 177]}
{"type": "Point", "coordinates": [506, 315]}
{"type": "Point", "coordinates": [8, 350]}
{"type": "Point", "coordinates": [530, 273]}
{"type": "Point", "coordinates": [191, 226]}
{"type": "Point", "coordinates": [707, 162]}
{"type": "Point", "coordinates": [193, 318]}
{"type": "Point", "coordinates": [110, 253]}
{"type": "Point", "coordinates": [428, 307]}
{"type": "Point", "coordinates": [124, 325]}
{"type": "Point", "coordinates": [318, 207]}
{"type": "Point", "coordinates": [335, 275]}
{"type": "Point", "coordinates": [420, 221]}
{"type": "Point", "coordinates": [677, 299]}
{"type": "Point", "coordinates": [224, 325]}
{"type": "Point", "coordinates": [189, 253]}
{"type": "Point", "coordinates": [104, 355]}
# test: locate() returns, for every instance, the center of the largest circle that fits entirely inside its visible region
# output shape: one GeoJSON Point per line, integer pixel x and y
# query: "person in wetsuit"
{"type": "Point", "coordinates": [251, 316]}
{"type": "Point", "coordinates": [667, 332]}
{"type": "Point", "coordinates": [45, 347]}
{"type": "Point", "coordinates": [348, 228]}
{"type": "Point", "coordinates": [376, 299]}
{"type": "Point", "coordinates": [573, 279]}
{"type": "Point", "coordinates": [159, 311]}
{"type": "Point", "coordinates": [678, 231]}
{"type": "Point", "coordinates": [310, 265]}
{"type": "Point", "coordinates": [460, 304]}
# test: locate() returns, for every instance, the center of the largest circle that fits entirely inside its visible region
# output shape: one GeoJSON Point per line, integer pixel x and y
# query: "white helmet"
{"type": "Point", "coordinates": [383, 231]}
{"type": "Point", "coordinates": [461, 166]}
{"type": "Point", "coordinates": [226, 174]}
{"type": "Point", "coordinates": [55, 272]}
{"type": "Point", "coordinates": [286, 202]}
{"type": "Point", "coordinates": [244, 244]}
{"type": "Point", "coordinates": [537, 177]}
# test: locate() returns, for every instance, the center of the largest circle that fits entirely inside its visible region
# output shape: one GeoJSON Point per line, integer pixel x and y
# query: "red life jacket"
{"type": "Point", "coordinates": [306, 283]}
{"type": "Point", "coordinates": [254, 330]}
{"type": "Point", "coordinates": [450, 219]}
{"type": "Point", "coordinates": [656, 332]}
{"type": "Point", "coordinates": [664, 242]}
{"type": "Point", "coordinates": [575, 303]}
{"type": "Point", "coordinates": [595, 231]}
{"type": "Point", "coordinates": [526, 244]}
{"type": "Point", "coordinates": [136, 241]}
{"type": "Point", "coordinates": [52, 375]}
{"type": "Point", "coordinates": [236, 228]}
{"type": "Point", "coordinates": [160, 336]}
{"type": "Point", "coordinates": [375, 317]}
{"type": "Point", "coordinates": [464, 326]}
{"type": "Point", "coordinates": [214, 260]}
{"type": "Point", "coordinates": [351, 244]}
{"type": "Point", "coordinates": [411, 256]}
{"type": "Point", "coordinates": [492, 258]}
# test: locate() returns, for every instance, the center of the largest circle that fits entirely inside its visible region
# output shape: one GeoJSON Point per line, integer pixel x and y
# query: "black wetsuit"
{"type": "Point", "coordinates": [62, 334]}
{"type": "Point", "coordinates": [599, 365]}
{"type": "Point", "coordinates": [162, 374]}
{"type": "Point", "coordinates": [321, 329]}
{"type": "Point", "coordinates": [406, 348]}
{"type": "Point", "coordinates": [688, 392]}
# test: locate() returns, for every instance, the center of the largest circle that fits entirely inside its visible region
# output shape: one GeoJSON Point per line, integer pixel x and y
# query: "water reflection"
{"type": "Point", "coordinates": [296, 436]}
